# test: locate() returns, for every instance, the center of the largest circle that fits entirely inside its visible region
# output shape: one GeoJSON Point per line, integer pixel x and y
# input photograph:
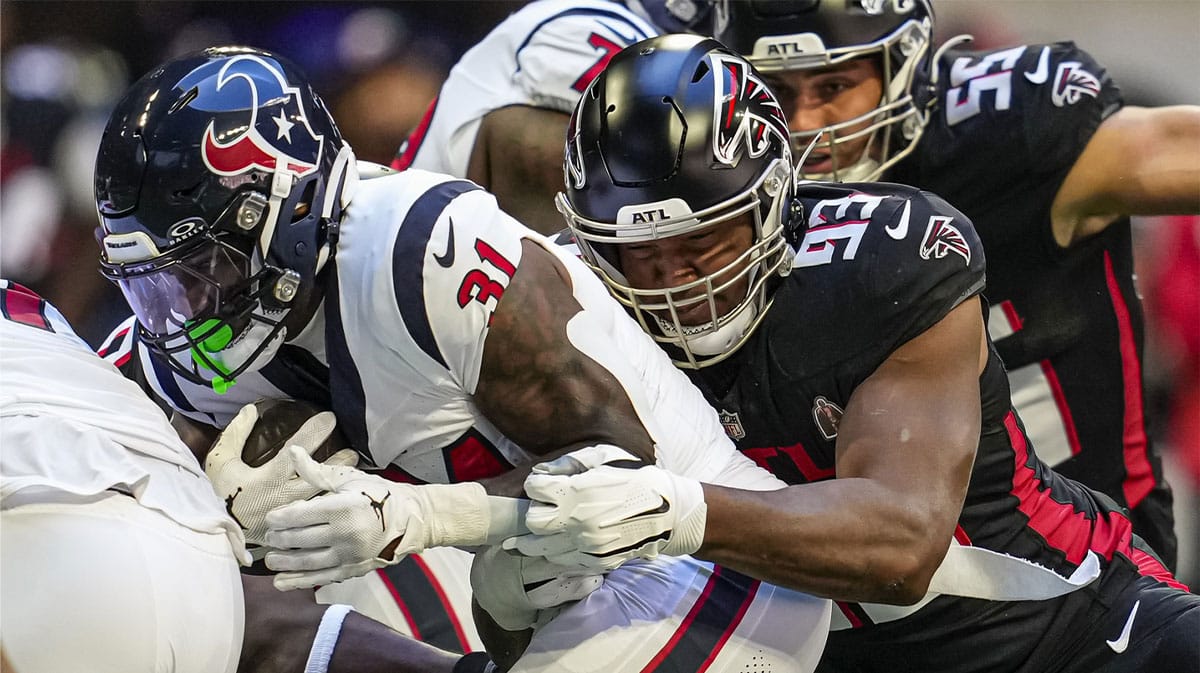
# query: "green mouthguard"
{"type": "Point", "coordinates": [219, 336]}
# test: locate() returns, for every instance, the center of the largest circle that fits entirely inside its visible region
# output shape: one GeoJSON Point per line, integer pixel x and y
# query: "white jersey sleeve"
{"type": "Point", "coordinates": [544, 55]}
{"type": "Point", "coordinates": [71, 422]}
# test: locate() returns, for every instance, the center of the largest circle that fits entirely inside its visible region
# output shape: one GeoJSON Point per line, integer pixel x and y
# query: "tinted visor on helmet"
{"type": "Point", "coordinates": [172, 293]}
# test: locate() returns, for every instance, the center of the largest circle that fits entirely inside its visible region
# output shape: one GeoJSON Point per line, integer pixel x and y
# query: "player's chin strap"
{"type": "Point", "coordinates": [345, 176]}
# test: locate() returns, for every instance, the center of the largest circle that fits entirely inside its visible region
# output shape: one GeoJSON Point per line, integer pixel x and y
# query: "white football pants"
{"type": "Point", "coordinates": [104, 585]}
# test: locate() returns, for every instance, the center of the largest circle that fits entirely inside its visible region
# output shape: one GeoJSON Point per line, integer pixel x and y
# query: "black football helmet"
{"type": "Point", "coordinates": [678, 134]}
{"type": "Point", "coordinates": [784, 35]}
{"type": "Point", "coordinates": [219, 183]}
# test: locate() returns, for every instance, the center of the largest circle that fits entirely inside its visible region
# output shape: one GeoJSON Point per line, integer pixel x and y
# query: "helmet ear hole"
{"type": "Point", "coordinates": [304, 205]}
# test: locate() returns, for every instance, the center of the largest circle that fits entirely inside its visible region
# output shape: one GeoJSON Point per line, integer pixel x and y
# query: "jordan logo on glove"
{"type": "Point", "coordinates": [378, 507]}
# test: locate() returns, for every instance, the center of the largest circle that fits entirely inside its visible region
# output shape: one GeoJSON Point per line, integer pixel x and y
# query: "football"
{"type": "Point", "coordinates": [278, 420]}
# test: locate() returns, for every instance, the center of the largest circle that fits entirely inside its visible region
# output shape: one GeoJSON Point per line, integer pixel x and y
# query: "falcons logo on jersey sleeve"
{"type": "Point", "coordinates": [942, 238]}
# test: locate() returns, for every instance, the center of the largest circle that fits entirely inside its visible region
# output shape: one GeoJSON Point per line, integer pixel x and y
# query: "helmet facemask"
{"type": "Point", "coordinates": [805, 41]}
{"type": "Point", "coordinates": [220, 181]}
{"type": "Point", "coordinates": [210, 304]}
{"type": "Point", "coordinates": [658, 310]}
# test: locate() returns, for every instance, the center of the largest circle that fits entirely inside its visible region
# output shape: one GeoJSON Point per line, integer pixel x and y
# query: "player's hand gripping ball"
{"type": "Point", "coordinates": [253, 474]}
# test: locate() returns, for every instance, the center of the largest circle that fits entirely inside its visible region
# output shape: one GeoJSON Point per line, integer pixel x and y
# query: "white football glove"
{"type": "Point", "coordinates": [251, 492]}
{"type": "Point", "coordinates": [366, 522]}
{"type": "Point", "coordinates": [590, 511]}
{"type": "Point", "coordinates": [521, 591]}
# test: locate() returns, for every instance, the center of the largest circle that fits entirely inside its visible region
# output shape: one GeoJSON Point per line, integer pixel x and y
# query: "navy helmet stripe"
{"type": "Point", "coordinates": [408, 261]}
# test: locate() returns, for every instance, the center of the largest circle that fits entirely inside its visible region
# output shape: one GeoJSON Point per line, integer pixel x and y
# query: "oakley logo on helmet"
{"type": "Point", "coordinates": [747, 116]}
{"type": "Point", "coordinates": [281, 139]}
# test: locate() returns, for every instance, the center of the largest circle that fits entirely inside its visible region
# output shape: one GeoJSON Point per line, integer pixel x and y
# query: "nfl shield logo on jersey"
{"type": "Point", "coordinates": [827, 416]}
{"type": "Point", "coordinates": [732, 424]}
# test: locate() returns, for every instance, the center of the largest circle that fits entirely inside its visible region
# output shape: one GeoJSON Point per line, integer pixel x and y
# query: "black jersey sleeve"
{"type": "Point", "coordinates": [877, 265]}
{"type": "Point", "coordinates": [1009, 126]}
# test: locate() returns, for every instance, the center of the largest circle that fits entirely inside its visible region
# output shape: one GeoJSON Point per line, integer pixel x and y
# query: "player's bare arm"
{"type": "Point", "coordinates": [905, 448]}
{"type": "Point", "coordinates": [280, 627]}
{"type": "Point", "coordinates": [518, 157]}
{"type": "Point", "coordinates": [536, 386]}
{"type": "Point", "coordinates": [1141, 161]}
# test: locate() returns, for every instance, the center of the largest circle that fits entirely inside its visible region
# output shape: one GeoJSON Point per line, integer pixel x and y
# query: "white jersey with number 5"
{"type": "Point", "coordinates": [544, 56]}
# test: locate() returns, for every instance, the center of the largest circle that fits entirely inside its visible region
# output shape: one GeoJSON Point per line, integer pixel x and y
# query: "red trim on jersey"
{"type": "Point", "coordinates": [799, 457]}
{"type": "Point", "coordinates": [730, 628]}
{"type": "Point", "coordinates": [408, 616]}
{"type": "Point", "coordinates": [1010, 314]}
{"type": "Point", "coordinates": [1060, 400]}
{"type": "Point", "coordinates": [21, 305]}
{"type": "Point", "coordinates": [706, 611]}
{"type": "Point", "coordinates": [1064, 409]}
{"type": "Point", "coordinates": [683, 626]}
{"type": "Point", "coordinates": [414, 140]}
{"type": "Point", "coordinates": [1139, 478]}
{"type": "Point", "coordinates": [852, 613]}
{"type": "Point", "coordinates": [446, 604]}
{"type": "Point", "coordinates": [961, 536]}
{"type": "Point", "coordinates": [114, 339]}
{"type": "Point", "coordinates": [1059, 523]}
{"type": "Point", "coordinates": [1151, 567]}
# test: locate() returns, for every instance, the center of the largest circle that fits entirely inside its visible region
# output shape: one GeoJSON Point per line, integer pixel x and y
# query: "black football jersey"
{"type": "Point", "coordinates": [878, 265]}
{"type": "Point", "coordinates": [1007, 127]}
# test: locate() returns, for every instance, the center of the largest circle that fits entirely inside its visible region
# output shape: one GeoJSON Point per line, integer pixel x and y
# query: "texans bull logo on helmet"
{"type": "Point", "coordinates": [746, 115]}
{"type": "Point", "coordinates": [281, 138]}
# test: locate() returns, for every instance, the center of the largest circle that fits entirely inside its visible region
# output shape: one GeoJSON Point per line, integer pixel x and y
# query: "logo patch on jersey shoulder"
{"type": "Point", "coordinates": [942, 238]}
{"type": "Point", "coordinates": [1072, 82]}
{"type": "Point", "coordinates": [732, 424]}
{"type": "Point", "coordinates": [827, 416]}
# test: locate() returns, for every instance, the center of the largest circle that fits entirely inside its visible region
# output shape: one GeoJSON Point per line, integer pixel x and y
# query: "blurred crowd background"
{"type": "Point", "coordinates": [64, 64]}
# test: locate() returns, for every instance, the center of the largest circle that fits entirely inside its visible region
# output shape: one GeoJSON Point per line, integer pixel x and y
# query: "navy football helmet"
{"type": "Point", "coordinates": [785, 35]}
{"type": "Point", "coordinates": [678, 135]}
{"type": "Point", "coordinates": [219, 183]}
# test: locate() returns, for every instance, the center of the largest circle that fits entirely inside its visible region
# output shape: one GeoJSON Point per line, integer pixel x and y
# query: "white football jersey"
{"type": "Point", "coordinates": [544, 55]}
{"type": "Point", "coordinates": [94, 429]}
{"type": "Point", "coordinates": [422, 260]}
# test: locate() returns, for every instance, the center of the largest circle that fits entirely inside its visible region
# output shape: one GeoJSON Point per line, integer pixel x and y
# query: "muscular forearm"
{"type": "Point", "coordinates": [281, 626]}
{"type": "Point", "coordinates": [847, 539]}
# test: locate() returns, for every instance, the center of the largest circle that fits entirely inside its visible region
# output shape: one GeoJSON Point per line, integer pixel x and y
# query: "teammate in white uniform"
{"type": "Point", "coordinates": [104, 510]}
{"type": "Point", "coordinates": [285, 276]}
{"type": "Point", "coordinates": [501, 115]}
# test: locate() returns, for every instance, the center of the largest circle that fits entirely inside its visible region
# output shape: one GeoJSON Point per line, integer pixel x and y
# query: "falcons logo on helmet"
{"type": "Point", "coordinates": [942, 238]}
{"type": "Point", "coordinates": [282, 137]}
{"type": "Point", "coordinates": [746, 115]}
{"type": "Point", "coordinates": [1072, 82]}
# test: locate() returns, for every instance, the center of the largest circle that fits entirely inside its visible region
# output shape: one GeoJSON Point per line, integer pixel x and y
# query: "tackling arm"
{"type": "Point", "coordinates": [536, 386]}
{"type": "Point", "coordinates": [518, 157]}
{"type": "Point", "coordinates": [1141, 161]}
{"type": "Point", "coordinates": [906, 445]}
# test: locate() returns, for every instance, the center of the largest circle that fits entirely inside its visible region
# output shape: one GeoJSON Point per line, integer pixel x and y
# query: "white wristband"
{"type": "Point", "coordinates": [460, 514]}
{"type": "Point", "coordinates": [326, 638]}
